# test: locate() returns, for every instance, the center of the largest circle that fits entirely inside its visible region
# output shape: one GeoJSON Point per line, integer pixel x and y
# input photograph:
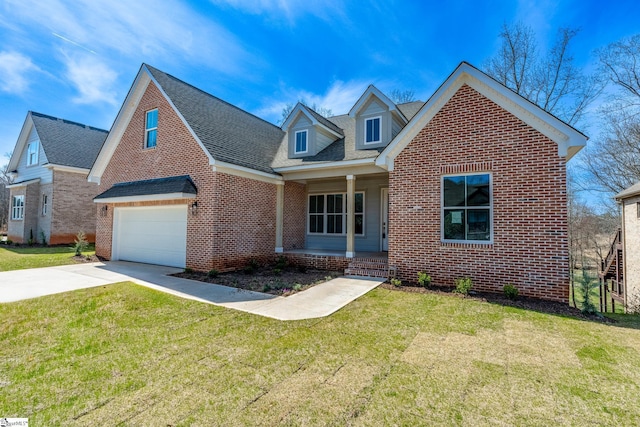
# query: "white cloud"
{"type": "Point", "coordinates": [14, 70]}
{"type": "Point", "coordinates": [93, 79]}
{"type": "Point", "coordinates": [339, 98]}
{"type": "Point", "coordinates": [289, 10]}
{"type": "Point", "coordinates": [145, 30]}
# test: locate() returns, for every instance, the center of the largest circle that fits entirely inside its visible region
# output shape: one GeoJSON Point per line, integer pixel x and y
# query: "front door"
{"type": "Point", "coordinates": [385, 219]}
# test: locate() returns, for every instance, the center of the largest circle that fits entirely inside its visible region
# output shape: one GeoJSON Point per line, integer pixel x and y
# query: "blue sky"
{"type": "Point", "coordinates": [77, 59]}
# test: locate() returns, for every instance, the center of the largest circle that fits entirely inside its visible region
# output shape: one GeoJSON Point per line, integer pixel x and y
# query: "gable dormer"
{"type": "Point", "coordinates": [308, 132]}
{"type": "Point", "coordinates": [378, 119]}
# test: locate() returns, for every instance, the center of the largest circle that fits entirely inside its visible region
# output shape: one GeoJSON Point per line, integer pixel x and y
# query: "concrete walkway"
{"type": "Point", "coordinates": [318, 301]}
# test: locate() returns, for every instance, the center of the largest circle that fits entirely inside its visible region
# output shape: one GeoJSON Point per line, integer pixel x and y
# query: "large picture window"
{"type": "Point", "coordinates": [151, 129]}
{"type": "Point", "coordinates": [467, 208]}
{"type": "Point", "coordinates": [328, 213]}
{"type": "Point", "coordinates": [17, 207]}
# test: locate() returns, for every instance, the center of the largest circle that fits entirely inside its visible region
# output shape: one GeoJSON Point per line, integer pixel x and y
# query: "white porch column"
{"type": "Point", "coordinates": [351, 240]}
{"type": "Point", "coordinates": [279, 215]}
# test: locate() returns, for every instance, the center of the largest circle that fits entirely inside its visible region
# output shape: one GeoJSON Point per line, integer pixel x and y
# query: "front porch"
{"type": "Point", "coordinates": [370, 264]}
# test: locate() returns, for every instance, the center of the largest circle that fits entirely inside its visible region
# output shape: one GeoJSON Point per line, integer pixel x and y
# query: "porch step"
{"type": "Point", "coordinates": [369, 268]}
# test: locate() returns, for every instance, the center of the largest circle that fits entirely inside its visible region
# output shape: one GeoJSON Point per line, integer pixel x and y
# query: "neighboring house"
{"type": "Point", "coordinates": [470, 183]}
{"type": "Point", "coordinates": [50, 198]}
{"type": "Point", "coordinates": [621, 266]}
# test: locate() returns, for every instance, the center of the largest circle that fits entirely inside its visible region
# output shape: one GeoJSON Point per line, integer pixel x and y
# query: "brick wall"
{"type": "Point", "coordinates": [236, 216]}
{"type": "Point", "coordinates": [20, 231]}
{"type": "Point", "coordinates": [295, 214]}
{"type": "Point", "coordinates": [472, 134]}
{"type": "Point", "coordinates": [631, 245]}
{"type": "Point", "coordinates": [72, 208]}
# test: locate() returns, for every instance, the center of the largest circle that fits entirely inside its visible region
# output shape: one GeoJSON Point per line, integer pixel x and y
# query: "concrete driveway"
{"type": "Point", "coordinates": [318, 301]}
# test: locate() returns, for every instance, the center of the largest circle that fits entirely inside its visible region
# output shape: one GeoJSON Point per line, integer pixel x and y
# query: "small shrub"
{"type": "Point", "coordinates": [277, 271]}
{"type": "Point", "coordinates": [510, 291]}
{"type": "Point", "coordinates": [188, 270]}
{"type": "Point", "coordinates": [213, 273]}
{"type": "Point", "coordinates": [8, 242]}
{"type": "Point", "coordinates": [30, 242]}
{"type": "Point", "coordinates": [327, 278]}
{"type": "Point", "coordinates": [281, 262]}
{"type": "Point", "coordinates": [396, 282]}
{"type": "Point", "coordinates": [248, 269]}
{"type": "Point", "coordinates": [266, 288]}
{"type": "Point", "coordinates": [302, 268]}
{"type": "Point", "coordinates": [463, 285]}
{"type": "Point", "coordinates": [43, 238]}
{"type": "Point", "coordinates": [424, 279]}
{"type": "Point", "coordinates": [81, 243]}
{"type": "Point", "coordinates": [253, 263]}
{"type": "Point", "coordinates": [297, 287]}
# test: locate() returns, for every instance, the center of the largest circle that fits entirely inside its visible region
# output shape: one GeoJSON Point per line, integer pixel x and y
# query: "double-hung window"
{"type": "Point", "coordinates": [467, 208]}
{"type": "Point", "coordinates": [17, 207]}
{"type": "Point", "coordinates": [372, 130]}
{"type": "Point", "coordinates": [32, 153]}
{"type": "Point", "coordinates": [151, 129]}
{"type": "Point", "coordinates": [301, 142]}
{"type": "Point", "coordinates": [328, 213]}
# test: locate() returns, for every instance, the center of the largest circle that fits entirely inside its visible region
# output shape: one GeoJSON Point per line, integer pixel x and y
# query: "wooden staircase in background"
{"type": "Point", "coordinates": [611, 271]}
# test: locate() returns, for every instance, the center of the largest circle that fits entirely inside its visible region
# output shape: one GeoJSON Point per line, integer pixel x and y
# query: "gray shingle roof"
{"type": "Point", "coordinates": [68, 143]}
{"type": "Point", "coordinates": [229, 134]}
{"type": "Point", "coordinates": [325, 122]}
{"type": "Point", "coordinates": [173, 184]}
{"type": "Point", "coordinates": [628, 192]}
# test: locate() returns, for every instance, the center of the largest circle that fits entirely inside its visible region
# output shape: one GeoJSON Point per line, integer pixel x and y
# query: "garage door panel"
{"type": "Point", "coordinates": [155, 235]}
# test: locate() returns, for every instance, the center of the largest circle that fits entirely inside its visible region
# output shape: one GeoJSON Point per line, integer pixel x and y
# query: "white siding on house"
{"type": "Point", "coordinates": [26, 173]}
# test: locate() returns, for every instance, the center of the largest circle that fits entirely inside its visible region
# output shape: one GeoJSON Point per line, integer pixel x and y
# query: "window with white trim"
{"type": "Point", "coordinates": [372, 130]}
{"type": "Point", "coordinates": [45, 202]}
{"type": "Point", "coordinates": [151, 129]}
{"type": "Point", "coordinates": [328, 213]}
{"type": "Point", "coordinates": [467, 208]}
{"type": "Point", "coordinates": [301, 143]}
{"type": "Point", "coordinates": [17, 207]}
{"type": "Point", "coordinates": [32, 153]}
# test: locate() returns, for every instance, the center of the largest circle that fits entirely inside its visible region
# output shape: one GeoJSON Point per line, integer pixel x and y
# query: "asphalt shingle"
{"type": "Point", "coordinates": [173, 184]}
{"type": "Point", "coordinates": [68, 143]}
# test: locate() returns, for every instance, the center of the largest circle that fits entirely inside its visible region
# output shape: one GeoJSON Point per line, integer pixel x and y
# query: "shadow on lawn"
{"type": "Point", "coordinates": [39, 249]}
{"type": "Point", "coordinates": [531, 304]}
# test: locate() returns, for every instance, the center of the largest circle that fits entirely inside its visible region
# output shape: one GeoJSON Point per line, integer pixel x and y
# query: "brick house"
{"type": "Point", "coordinates": [470, 183]}
{"type": "Point", "coordinates": [50, 197]}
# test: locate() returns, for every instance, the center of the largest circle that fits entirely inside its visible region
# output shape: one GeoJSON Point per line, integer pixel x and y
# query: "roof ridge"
{"type": "Point", "coordinates": [208, 94]}
{"type": "Point", "coordinates": [69, 122]}
{"type": "Point", "coordinates": [164, 178]}
{"type": "Point", "coordinates": [324, 120]}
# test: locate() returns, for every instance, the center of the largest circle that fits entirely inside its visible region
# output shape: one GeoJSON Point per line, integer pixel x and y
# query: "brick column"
{"type": "Point", "coordinates": [279, 215]}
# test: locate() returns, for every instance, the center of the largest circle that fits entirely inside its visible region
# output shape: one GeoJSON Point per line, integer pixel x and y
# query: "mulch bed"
{"type": "Point", "coordinates": [534, 304]}
{"type": "Point", "coordinates": [85, 258]}
{"type": "Point", "coordinates": [263, 279]}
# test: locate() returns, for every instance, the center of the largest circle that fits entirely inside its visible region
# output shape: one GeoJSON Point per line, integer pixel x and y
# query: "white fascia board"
{"type": "Point", "coordinates": [120, 124]}
{"type": "Point", "coordinates": [23, 183]}
{"type": "Point", "coordinates": [245, 172]}
{"type": "Point", "coordinates": [569, 140]}
{"type": "Point", "coordinates": [146, 198]}
{"type": "Point", "coordinates": [63, 168]}
{"type": "Point", "coordinates": [336, 170]}
{"type": "Point", "coordinates": [21, 143]}
{"type": "Point", "coordinates": [300, 109]}
{"type": "Point", "coordinates": [374, 91]}
{"type": "Point", "coordinates": [327, 165]}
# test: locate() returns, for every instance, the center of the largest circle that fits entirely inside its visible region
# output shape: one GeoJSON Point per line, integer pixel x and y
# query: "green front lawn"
{"type": "Point", "coordinates": [18, 258]}
{"type": "Point", "coordinates": [124, 354]}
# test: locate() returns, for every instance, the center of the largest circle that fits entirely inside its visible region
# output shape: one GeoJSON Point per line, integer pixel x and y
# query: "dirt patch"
{"type": "Point", "coordinates": [534, 304]}
{"type": "Point", "coordinates": [85, 258]}
{"type": "Point", "coordinates": [270, 279]}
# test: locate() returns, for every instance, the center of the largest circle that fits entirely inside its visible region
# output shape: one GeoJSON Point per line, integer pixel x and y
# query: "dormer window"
{"type": "Point", "coordinates": [301, 142]}
{"type": "Point", "coordinates": [151, 129]}
{"type": "Point", "coordinates": [32, 153]}
{"type": "Point", "coordinates": [372, 130]}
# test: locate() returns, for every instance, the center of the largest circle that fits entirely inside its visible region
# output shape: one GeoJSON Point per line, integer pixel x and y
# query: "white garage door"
{"type": "Point", "coordinates": [154, 235]}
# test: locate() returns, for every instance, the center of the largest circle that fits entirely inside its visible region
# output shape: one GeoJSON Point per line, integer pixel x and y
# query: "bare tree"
{"type": "Point", "coordinates": [553, 82]}
{"type": "Point", "coordinates": [323, 111]}
{"type": "Point", "coordinates": [5, 179]}
{"type": "Point", "coordinates": [612, 161]}
{"type": "Point", "coordinates": [402, 96]}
